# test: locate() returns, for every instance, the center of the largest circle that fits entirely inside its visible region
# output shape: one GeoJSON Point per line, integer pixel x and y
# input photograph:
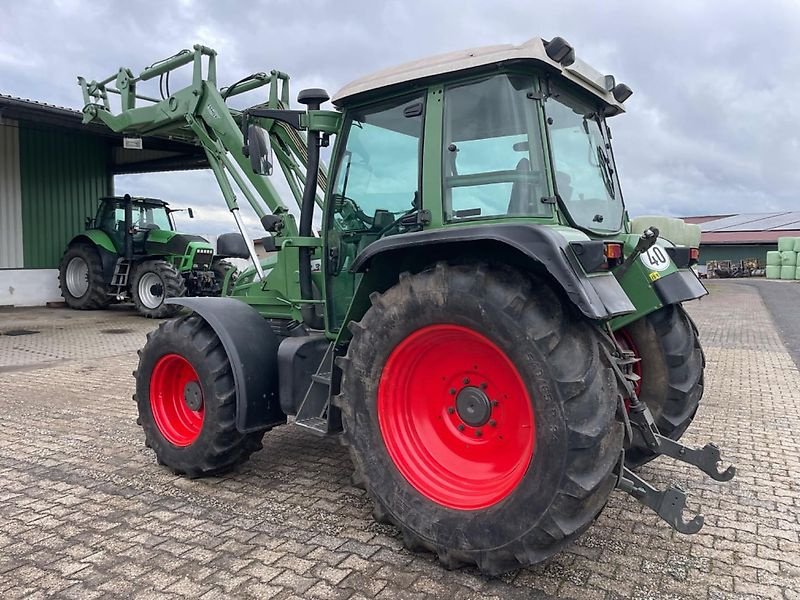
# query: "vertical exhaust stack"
{"type": "Point", "coordinates": [128, 227]}
{"type": "Point", "coordinates": [313, 99]}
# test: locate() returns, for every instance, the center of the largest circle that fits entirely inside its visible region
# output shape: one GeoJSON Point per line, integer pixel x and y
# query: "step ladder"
{"type": "Point", "coordinates": [119, 281]}
{"type": "Point", "coordinates": [313, 411]}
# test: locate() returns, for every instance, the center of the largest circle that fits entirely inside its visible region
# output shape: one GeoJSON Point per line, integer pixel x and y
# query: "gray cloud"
{"type": "Point", "coordinates": [710, 129]}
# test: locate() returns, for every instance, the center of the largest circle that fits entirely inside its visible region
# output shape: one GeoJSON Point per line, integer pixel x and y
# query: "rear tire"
{"type": "Point", "coordinates": [671, 370]}
{"type": "Point", "coordinates": [184, 358]}
{"type": "Point", "coordinates": [495, 326]}
{"type": "Point", "coordinates": [153, 282]}
{"type": "Point", "coordinates": [80, 277]}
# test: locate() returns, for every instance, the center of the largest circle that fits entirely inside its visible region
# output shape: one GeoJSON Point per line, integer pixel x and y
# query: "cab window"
{"type": "Point", "coordinates": [378, 175]}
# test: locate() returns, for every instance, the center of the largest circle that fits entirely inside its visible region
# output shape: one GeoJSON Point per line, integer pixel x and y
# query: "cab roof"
{"type": "Point", "coordinates": [533, 50]}
{"type": "Point", "coordinates": [138, 199]}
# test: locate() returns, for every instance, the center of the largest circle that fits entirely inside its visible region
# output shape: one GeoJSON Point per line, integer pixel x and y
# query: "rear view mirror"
{"type": "Point", "coordinates": [191, 213]}
{"type": "Point", "coordinates": [259, 150]}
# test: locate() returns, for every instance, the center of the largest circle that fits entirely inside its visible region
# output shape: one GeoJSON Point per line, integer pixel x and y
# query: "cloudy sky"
{"type": "Point", "coordinates": [711, 127]}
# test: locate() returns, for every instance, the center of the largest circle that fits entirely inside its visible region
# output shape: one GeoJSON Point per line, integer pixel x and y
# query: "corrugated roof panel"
{"type": "Point", "coordinates": [737, 220]}
{"type": "Point", "coordinates": [778, 220]}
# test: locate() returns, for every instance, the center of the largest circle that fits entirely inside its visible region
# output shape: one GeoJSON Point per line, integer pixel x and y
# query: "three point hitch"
{"type": "Point", "coordinates": [670, 503]}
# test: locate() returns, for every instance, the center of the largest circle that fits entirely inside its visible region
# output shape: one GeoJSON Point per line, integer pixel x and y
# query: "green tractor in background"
{"type": "Point", "coordinates": [477, 319]}
{"type": "Point", "coordinates": [131, 251]}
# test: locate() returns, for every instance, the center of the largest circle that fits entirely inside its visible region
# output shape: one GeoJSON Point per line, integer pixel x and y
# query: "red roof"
{"type": "Point", "coordinates": [746, 237]}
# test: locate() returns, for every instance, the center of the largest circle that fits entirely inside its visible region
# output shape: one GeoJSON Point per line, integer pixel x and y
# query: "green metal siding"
{"type": "Point", "coordinates": [735, 252]}
{"type": "Point", "coordinates": [63, 173]}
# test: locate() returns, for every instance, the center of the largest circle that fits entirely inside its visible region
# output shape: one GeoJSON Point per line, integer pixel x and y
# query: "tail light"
{"type": "Point", "coordinates": [694, 256]}
{"type": "Point", "coordinates": [597, 255]}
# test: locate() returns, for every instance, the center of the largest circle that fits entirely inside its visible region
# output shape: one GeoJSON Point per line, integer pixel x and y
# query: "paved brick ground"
{"type": "Point", "coordinates": [85, 511]}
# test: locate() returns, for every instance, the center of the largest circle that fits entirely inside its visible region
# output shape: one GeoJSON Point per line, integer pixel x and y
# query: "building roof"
{"type": "Point", "coordinates": [158, 154]}
{"type": "Point", "coordinates": [751, 228]}
{"type": "Point", "coordinates": [533, 50]}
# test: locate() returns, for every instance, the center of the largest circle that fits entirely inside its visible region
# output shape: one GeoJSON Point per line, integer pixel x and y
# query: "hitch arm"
{"type": "Point", "coordinates": [706, 459]}
{"type": "Point", "coordinates": [668, 505]}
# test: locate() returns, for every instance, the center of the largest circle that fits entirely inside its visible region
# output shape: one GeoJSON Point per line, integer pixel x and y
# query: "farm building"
{"type": "Point", "coordinates": [742, 236]}
{"type": "Point", "coordinates": [53, 168]}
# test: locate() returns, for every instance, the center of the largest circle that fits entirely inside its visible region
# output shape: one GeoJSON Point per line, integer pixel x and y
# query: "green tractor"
{"type": "Point", "coordinates": [131, 250]}
{"type": "Point", "coordinates": [475, 320]}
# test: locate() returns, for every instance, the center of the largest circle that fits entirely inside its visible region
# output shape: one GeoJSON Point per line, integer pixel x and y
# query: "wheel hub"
{"type": "Point", "coordinates": [193, 395]}
{"type": "Point", "coordinates": [473, 406]}
{"type": "Point", "coordinates": [456, 417]}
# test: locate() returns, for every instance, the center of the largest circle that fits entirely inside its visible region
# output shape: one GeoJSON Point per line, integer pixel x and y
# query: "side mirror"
{"type": "Point", "coordinates": [259, 150]}
{"type": "Point", "coordinates": [191, 213]}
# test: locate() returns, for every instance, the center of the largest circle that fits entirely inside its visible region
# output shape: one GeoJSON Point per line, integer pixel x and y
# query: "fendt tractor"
{"type": "Point", "coordinates": [476, 319]}
{"type": "Point", "coordinates": [132, 251]}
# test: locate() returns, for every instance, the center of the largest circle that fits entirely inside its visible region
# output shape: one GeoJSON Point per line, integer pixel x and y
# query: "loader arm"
{"type": "Point", "coordinates": [199, 113]}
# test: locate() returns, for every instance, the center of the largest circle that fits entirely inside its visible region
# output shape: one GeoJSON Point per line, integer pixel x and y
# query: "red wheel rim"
{"type": "Point", "coordinates": [456, 417]}
{"type": "Point", "coordinates": [625, 340]}
{"type": "Point", "coordinates": [178, 423]}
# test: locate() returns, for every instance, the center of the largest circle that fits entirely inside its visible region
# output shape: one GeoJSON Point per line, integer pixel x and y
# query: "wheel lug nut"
{"type": "Point", "coordinates": [492, 423]}
{"type": "Point", "coordinates": [450, 410]}
{"type": "Point", "coordinates": [452, 391]}
{"type": "Point", "coordinates": [483, 385]}
{"type": "Point", "coordinates": [495, 403]}
{"type": "Point", "coordinates": [466, 380]}
{"type": "Point", "coordinates": [478, 433]}
{"type": "Point", "coordinates": [461, 427]}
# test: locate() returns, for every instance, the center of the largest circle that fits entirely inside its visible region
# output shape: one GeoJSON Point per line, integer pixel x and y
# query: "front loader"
{"type": "Point", "coordinates": [475, 319]}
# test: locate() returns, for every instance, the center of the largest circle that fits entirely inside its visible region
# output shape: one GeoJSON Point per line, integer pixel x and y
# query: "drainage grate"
{"type": "Point", "coordinates": [13, 332]}
{"type": "Point", "coordinates": [116, 331]}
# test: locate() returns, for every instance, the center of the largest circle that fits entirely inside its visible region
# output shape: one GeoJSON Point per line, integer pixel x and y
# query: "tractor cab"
{"type": "Point", "coordinates": [517, 133]}
{"type": "Point", "coordinates": [147, 215]}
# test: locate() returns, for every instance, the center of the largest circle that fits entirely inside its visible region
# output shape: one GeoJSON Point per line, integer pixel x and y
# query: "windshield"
{"type": "Point", "coordinates": [148, 216]}
{"type": "Point", "coordinates": [586, 179]}
{"type": "Point", "coordinates": [493, 160]}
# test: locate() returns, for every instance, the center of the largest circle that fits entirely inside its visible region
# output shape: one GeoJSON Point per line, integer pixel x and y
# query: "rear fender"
{"type": "Point", "coordinates": [534, 248]}
{"type": "Point", "coordinates": [252, 349]}
{"type": "Point", "coordinates": [652, 285]}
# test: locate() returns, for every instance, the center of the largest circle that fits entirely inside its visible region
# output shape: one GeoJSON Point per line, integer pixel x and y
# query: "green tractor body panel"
{"type": "Point", "coordinates": [97, 237]}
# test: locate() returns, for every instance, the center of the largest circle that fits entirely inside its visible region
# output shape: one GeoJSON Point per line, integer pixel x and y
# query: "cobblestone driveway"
{"type": "Point", "coordinates": [85, 511]}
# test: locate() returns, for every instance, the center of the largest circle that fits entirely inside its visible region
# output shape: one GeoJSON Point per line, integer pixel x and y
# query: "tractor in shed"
{"type": "Point", "coordinates": [131, 251]}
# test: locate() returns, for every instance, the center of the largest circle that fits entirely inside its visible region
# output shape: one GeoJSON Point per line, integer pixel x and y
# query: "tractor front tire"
{"type": "Point", "coordinates": [80, 277]}
{"type": "Point", "coordinates": [671, 371]}
{"type": "Point", "coordinates": [153, 282]}
{"type": "Point", "coordinates": [186, 400]}
{"type": "Point", "coordinates": [220, 269]}
{"type": "Point", "coordinates": [480, 413]}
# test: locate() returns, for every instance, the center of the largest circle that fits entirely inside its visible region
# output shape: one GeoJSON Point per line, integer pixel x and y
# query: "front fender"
{"type": "Point", "coordinates": [252, 349]}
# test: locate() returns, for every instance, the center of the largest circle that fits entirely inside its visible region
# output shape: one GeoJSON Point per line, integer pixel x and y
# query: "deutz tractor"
{"type": "Point", "coordinates": [475, 319]}
{"type": "Point", "coordinates": [131, 250]}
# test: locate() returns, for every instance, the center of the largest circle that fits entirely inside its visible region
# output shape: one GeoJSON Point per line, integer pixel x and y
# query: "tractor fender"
{"type": "Point", "coordinates": [252, 349]}
{"type": "Point", "coordinates": [105, 248]}
{"type": "Point", "coordinates": [528, 246]}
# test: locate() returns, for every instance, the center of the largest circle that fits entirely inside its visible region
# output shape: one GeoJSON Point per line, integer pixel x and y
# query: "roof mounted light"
{"type": "Point", "coordinates": [560, 50]}
{"type": "Point", "coordinates": [621, 92]}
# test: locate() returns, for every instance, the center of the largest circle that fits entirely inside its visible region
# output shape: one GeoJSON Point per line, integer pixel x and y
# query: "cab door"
{"type": "Point", "coordinates": [376, 189]}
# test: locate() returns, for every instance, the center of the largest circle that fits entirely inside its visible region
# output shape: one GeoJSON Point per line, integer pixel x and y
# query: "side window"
{"type": "Point", "coordinates": [378, 174]}
{"type": "Point", "coordinates": [493, 160]}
